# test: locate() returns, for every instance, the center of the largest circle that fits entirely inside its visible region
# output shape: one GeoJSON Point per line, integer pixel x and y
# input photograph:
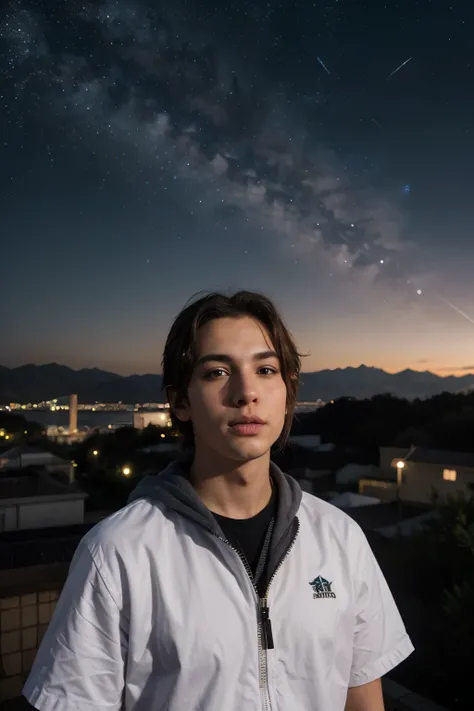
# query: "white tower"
{"type": "Point", "coordinates": [72, 414]}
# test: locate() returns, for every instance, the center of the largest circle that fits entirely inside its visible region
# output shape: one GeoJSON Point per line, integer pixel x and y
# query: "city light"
{"type": "Point", "coordinates": [126, 471]}
{"type": "Point", "coordinates": [400, 465]}
{"type": "Point", "coordinates": [95, 452]}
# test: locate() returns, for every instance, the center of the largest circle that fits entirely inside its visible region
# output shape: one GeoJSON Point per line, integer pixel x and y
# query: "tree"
{"type": "Point", "coordinates": [437, 566]}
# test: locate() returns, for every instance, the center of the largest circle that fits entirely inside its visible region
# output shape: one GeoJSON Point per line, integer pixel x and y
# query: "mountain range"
{"type": "Point", "coordinates": [36, 383]}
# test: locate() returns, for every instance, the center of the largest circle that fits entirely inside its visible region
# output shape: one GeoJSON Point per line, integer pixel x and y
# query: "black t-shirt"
{"type": "Point", "coordinates": [248, 534]}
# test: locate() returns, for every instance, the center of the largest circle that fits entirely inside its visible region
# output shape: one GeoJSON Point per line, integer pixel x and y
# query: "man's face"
{"type": "Point", "coordinates": [237, 375]}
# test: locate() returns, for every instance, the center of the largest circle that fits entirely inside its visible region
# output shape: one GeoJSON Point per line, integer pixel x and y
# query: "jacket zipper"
{"type": "Point", "coordinates": [265, 634]}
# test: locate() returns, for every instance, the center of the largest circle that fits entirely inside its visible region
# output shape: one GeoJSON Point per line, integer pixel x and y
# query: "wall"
{"type": "Point", "coordinates": [8, 518]}
{"type": "Point", "coordinates": [30, 459]}
{"type": "Point", "coordinates": [54, 513]}
{"type": "Point", "coordinates": [418, 481]}
{"type": "Point", "coordinates": [383, 490]}
{"type": "Point", "coordinates": [23, 622]}
{"type": "Point", "coordinates": [41, 514]}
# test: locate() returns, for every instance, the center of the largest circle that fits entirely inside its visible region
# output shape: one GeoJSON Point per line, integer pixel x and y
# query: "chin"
{"type": "Point", "coordinates": [248, 451]}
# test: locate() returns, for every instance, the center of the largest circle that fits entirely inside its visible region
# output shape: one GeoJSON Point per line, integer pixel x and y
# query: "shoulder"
{"type": "Point", "coordinates": [329, 520]}
{"type": "Point", "coordinates": [113, 552]}
{"type": "Point", "coordinates": [323, 511]}
{"type": "Point", "coordinates": [122, 532]}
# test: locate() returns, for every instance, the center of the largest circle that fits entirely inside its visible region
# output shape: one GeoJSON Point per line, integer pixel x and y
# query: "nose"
{"type": "Point", "coordinates": [243, 390]}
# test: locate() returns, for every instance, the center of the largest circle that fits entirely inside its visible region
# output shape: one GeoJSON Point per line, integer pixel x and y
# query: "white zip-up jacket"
{"type": "Point", "coordinates": [159, 612]}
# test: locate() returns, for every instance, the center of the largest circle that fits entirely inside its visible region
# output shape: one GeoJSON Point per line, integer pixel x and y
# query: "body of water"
{"type": "Point", "coordinates": [84, 418]}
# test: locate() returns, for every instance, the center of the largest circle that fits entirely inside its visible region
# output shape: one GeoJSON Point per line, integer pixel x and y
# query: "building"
{"type": "Point", "coordinates": [61, 434]}
{"type": "Point", "coordinates": [414, 475]}
{"type": "Point", "coordinates": [425, 472]}
{"type": "Point", "coordinates": [159, 418]}
{"type": "Point", "coordinates": [37, 499]}
{"type": "Point", "coordinates": [24, 456]}
{"type": "Point", "coordinates": [382, 482]}
{"type": "Point", "coordinates": [384, 490]}
{"type": "Point", "coordinates": [353, 473]}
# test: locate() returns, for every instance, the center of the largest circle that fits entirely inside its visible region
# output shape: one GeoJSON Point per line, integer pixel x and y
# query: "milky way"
{"type": "Point", "coordinates": [125, 73]}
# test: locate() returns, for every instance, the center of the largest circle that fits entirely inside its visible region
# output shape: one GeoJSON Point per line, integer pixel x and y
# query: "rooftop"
{"type": "Point", "coordinates": [22, 450]}
{"type": "Point", "coordinates": [441, 457]}
{"type": "Point", "coordinates": [33, 483]}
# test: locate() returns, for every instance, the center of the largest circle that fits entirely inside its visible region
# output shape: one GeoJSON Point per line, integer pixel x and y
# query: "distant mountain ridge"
{"type": "Point", "coordinates": [35, 383]}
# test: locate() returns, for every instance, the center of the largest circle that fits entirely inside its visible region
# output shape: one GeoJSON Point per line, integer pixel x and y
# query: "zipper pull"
{"type": "Point", "coordinates": [266, 625]}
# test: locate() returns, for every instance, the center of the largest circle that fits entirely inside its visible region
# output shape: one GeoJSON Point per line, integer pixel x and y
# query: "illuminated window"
{"type": "Point", "coordinates": [449, 474]}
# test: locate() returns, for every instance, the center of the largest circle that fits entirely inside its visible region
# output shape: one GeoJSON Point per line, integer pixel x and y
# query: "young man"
{"type": "Point", "coordinates": [220, 586]}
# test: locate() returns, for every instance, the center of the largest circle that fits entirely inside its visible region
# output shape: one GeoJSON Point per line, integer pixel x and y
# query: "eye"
{"type": "Point", "coordinates": [213, 374]}
{"type": "Point", "coordinates": [270, 371]}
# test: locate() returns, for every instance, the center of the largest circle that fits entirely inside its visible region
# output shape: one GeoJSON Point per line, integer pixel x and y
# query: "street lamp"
{"type": "Point", "coordinates": [126, 471]}
{"type": "Point", "coordinates": [95, 452]}
{"type": "Point", "coordinates": [400, 468]}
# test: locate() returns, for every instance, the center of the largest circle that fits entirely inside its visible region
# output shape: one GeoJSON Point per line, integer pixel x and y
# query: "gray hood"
{"type": "Point", "coordinates": [173, 488]}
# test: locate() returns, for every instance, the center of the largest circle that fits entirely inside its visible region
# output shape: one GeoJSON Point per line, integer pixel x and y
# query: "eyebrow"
{"type": "Point", "coordinates": [223, 358]}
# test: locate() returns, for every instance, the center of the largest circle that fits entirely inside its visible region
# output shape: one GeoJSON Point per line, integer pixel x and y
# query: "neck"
{"type": "Point", "coordinates": [234, 491]}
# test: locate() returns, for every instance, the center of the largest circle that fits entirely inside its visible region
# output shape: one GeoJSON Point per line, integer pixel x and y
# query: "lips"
{"type": "Point", "coordinates": [247, 421]}
{"type": "Point", "coordinates": [246, 429]}
{"type": "Point", "coordinates": [246, 426]}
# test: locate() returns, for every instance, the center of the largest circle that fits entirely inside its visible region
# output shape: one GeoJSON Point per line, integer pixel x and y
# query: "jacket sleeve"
{"type": "Point", "coordinates": [380, 638]}
{"type": "Point", "coordinates": [80, 662]}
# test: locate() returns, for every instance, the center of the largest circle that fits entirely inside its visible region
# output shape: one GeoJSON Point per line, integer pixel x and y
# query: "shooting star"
{"type": "Point", "coordinates": [323, 65]}
{"type": "Point", "coordinates": [398, 68]}
{"type": "Point", "coordinates": [455, 308]}
{"type": "Point", "coordinates": [376, 123]}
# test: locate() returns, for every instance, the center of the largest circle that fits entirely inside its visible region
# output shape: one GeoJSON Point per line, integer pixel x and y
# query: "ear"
{"type": "Point", "coordinates": [181, 410]}
{"type": "Point", "coordinates": [183, 413]}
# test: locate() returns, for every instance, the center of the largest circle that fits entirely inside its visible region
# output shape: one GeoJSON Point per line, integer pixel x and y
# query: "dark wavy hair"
{"type": "Point", "coordinates": [179, 355]}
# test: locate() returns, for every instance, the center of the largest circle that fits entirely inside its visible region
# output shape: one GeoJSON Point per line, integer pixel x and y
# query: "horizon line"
{"type": "Point", "coordinates": [456, 372]}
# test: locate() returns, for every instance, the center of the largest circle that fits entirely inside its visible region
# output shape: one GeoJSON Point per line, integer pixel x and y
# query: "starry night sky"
{"type": "Point", "coordinates": [320, 152]}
